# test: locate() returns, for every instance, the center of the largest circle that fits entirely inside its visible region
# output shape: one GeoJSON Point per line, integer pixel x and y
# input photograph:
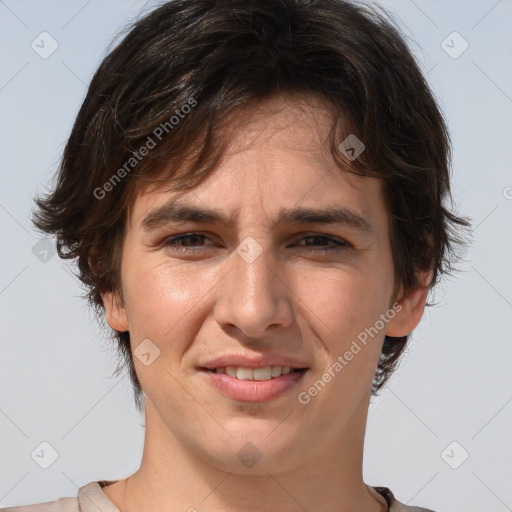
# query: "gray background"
{"type": "Point", "coordinates": [455, 383]}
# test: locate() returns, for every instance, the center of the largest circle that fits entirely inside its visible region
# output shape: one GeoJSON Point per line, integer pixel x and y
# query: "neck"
{"type": "Point", "coordinates": [173, 477]}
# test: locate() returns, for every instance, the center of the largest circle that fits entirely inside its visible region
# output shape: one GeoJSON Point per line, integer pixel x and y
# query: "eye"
{"type": "Point", "coordinates": [193, 242]}
{"type": "Point", "coordinates": [180, 242]}
{"type": "Point", "coordinates": [338, 243]}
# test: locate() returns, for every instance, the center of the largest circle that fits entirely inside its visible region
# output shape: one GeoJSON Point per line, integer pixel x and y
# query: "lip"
{"type": "Point", "coordinates": [253, 390]}
{"type": "Point", "coordinates": [258, 361]}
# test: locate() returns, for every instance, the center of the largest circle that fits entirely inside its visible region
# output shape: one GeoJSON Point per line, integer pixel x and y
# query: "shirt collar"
{"type": "Point", "coordinates": [91, 497]}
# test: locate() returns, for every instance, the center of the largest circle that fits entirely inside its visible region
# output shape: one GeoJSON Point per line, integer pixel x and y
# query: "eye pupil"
{"type": "Point", "coordinates": [317, 237]}
{"type": "Point", "coordinates": [193, 237]}
{"type": "Point", "coordinates": [310, 243]}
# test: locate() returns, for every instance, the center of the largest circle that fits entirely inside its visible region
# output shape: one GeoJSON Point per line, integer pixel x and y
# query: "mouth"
{"type": "Point", "coordinates": [253, 384]}
{"type": "Point", "coordinates": [258, 374]}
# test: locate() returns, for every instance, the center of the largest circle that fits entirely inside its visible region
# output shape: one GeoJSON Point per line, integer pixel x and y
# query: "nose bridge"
{"type": "Point", "coordinates": [252, 297]}
{"type": "Point", "coordinates": [253, 267]}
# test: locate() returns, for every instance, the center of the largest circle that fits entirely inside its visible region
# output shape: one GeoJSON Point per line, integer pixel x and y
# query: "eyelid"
{"type": "Point", "coordinates": [300, 235]}
{"type": "Point", "coordinates": [339, 243]}
{"type": "Point", "coordinates": [335, 238]}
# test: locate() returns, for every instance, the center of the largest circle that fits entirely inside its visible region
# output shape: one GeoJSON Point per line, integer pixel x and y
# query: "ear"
{"type": "Point", "coordinates": [412, 305]}
{"type": "Point", "coordinates": [115, 311]}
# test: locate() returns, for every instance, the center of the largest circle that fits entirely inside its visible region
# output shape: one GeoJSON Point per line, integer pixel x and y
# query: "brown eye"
{"type": "Point", "coordinates": [186, 242]}
{"type": "Point", "coordinates": [335, 243]}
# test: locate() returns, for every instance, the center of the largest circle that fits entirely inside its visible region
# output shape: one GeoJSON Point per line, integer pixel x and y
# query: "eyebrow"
{"type": "Point", "coordinates": [175, 211]}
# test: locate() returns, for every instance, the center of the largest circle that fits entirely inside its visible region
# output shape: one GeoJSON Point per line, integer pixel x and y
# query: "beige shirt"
{"type": "Point", "coordinates": [91, 498]}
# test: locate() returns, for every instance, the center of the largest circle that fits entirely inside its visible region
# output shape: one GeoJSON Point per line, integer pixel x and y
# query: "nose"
{"type": "Point", "coordinates": [254, 297]}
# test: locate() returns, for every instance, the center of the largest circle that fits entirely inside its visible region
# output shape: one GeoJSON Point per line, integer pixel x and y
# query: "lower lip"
{"type": "Point", "coordinates": [253, 390]}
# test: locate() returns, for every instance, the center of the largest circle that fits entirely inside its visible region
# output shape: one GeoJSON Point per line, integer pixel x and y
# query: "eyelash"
{"type": "Point", "coordinates": [172, 242]}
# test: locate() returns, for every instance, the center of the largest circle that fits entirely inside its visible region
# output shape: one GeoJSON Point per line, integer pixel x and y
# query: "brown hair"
{"type": "Point", "coordinates": [185, 68]}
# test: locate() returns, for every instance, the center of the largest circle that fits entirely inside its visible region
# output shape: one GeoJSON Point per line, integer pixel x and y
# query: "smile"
{"type": "Point", "coordinates": [253, 384]}
{"type": "Point", "coordinates": [264, 373]}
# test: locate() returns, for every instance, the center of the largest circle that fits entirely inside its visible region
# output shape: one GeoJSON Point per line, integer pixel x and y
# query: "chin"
{"type": "Point", "coordinates": [255, 452]}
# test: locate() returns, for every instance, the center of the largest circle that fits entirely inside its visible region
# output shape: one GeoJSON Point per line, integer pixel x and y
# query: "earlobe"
{"type": "Point", "coordinates": [410, 310]}
{"type": "Point", "coordinates": [115, 313]}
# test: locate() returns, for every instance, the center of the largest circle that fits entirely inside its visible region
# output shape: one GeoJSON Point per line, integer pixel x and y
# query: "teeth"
{"type": "Point", "coordinates": [244, 374]}
{"type": "Point", "coordinates": [262, 373]}
{"type": "Point", "coordinates": [276, 371]}
{"type": "Point", "coordinates": [265, 373]}
{"type": "Point", "coordinates": [230, 370]}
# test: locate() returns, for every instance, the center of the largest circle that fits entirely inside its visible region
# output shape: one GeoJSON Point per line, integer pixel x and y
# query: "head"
{"type": "Point", "coordinates": [244, 107]}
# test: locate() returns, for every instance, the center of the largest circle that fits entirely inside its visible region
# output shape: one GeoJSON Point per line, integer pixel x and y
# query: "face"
{"type": "Point", "coordinates": [265, 283]}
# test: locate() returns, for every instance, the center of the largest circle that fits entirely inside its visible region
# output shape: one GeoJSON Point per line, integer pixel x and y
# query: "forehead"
{"type": "Point", "coordinates": [277, 159]}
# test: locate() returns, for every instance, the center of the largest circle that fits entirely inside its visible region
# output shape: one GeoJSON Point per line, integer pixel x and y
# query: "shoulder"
{"type": "Point", "coordinates": [60, 505]}
{"type": "Point", "coordinates": [397, 506]}
{"type": "Point", "coordinates": [91, 498]}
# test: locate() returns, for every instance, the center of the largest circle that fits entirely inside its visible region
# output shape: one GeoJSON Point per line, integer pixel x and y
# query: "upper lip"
{"type": "Point", "coordinates": [259, 361]}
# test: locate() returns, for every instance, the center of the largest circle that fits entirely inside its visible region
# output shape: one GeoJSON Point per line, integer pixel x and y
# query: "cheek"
{"type": "Point", "coordinates": [348, 298]}
{"type": "Point", "coordinates": [342, 307]}
{"type": "Point", "coordinates": [158, 297]}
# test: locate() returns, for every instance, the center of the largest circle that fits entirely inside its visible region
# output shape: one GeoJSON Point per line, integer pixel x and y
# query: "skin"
{"type": "Point", "coordinates": [292, 299]}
